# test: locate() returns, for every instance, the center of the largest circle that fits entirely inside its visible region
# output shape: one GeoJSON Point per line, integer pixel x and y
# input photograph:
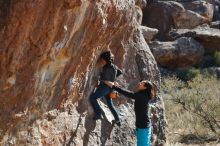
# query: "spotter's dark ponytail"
{"type": "Point", "coordinates": [151, 89]}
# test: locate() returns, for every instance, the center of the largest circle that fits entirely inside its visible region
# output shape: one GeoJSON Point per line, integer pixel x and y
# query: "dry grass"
{"type": "Point", "coordinates": [192, 110]}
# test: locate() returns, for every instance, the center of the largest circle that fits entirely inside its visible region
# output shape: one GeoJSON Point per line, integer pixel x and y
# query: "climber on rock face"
{"type": "Point", "coordinates": [145, 92]}
{"type": "Point", "coordinates": [109, 73]}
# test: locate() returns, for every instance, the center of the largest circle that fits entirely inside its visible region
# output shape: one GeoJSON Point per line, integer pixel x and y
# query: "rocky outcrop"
{"type": "Point", "coordinates": [148, 33]}
{"type": "Point", "coordinates": [48, 68]}
{"type": "Point", "coordinates": [159, 15]}
{"type": "Point", "coordinates": [215, 24]}
{"type": "Point", "coordinates": [181, 53]}
{"type": "Point", "coordinates": [167, 15]}
{"type": "Point", "coordinates": [203, 8]}
{"type": "Point", "coordinates": [208, 37]}
{"type": "Point", "coordinates": [188, 19]}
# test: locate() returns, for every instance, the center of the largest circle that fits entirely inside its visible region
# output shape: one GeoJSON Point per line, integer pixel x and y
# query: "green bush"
{"type": "Point", "coordinates": [208, 61]}
{"type": "Point", "coordinates": [217, 58]}
{"type": "Point", "coordinates": [187, 74]}
{"type": "Point", "coordinates": [211, 60]}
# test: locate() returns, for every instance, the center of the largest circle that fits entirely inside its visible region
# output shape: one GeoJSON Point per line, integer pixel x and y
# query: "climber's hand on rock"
{"type": "Point", "coordinates": [116, 84]}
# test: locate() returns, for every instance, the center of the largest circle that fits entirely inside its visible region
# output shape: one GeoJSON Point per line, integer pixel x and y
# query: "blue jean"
{"type": "Point", "coordinates": [143, 136]}
{"type": "Point", "coordinates": [103, 91]}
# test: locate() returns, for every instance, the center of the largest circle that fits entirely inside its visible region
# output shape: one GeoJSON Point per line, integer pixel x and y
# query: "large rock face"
{"type": "Point", "coordinates": [181, 53]}
{"type": "Point", "coordinates": [48, 55]}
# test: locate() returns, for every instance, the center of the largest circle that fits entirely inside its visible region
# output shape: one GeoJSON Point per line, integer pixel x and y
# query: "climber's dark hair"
{"type": "Point", "coordinates": [151, 89]}
{"type": "Point", "coordinates": [107, 56]}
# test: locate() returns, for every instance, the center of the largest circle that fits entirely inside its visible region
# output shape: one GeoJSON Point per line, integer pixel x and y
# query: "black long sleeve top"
{"type": "Point", "coordinates": [110, 72]}
{"type": "Point", "coordinates": [141, 106]}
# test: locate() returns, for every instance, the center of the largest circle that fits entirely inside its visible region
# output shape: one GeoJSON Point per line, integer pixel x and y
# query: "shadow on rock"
{"type": "Point", "coordinates": [89, 126]}
{"type": "Point", "coordinates": [74, 133]}
{"type": "Point", "coordinates": [106, 130]}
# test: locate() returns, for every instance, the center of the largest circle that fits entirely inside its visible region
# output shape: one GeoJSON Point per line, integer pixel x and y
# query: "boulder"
{"type": "Point", "coordinates": [208, 37]}
{"type": "Point", "coordinates": [188, 19]}
{"type": "Point", "coordinates": [215, 25]}
{"type": "Point", "coordinates": [148, 33]}
{"type": "Point", "coordinates": [159, 15]}
{"type": "Point", "coordinates": [181, 53]}
{"type": "Point", "coordinates": [203, 8]}
{"type": "Point", "coordinates": [167, 15]}
{"type": "Point", "coordinates": [48, 69]}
